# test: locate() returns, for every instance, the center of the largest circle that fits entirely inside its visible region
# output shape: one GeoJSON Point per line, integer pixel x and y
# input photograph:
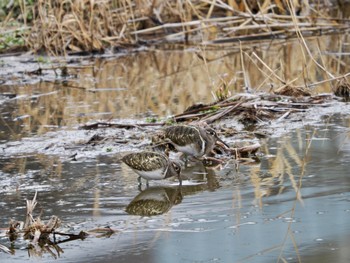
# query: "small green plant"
{"type": "Point", "coordinates": [21, 11]}
{"type": "Point", "coordinates": [109, 149]}
{"type": "Point", "coordinates": [151, 120]}
{"type": "Point", "coordinates": [42, 60]}
{"type": "Point", "coordinates": [212, 109]}
{"type": "Point", "coordinates": [222, 92]}
{"type": "Point", "coordinates": [10, 40]}
{"type": "Point", "coordinates": [169, 121]}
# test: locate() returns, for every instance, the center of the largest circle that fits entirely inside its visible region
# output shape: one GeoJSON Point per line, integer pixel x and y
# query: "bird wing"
{"type": "Point", "coordinates": [182, 135]}
{"type": "Point", "coordinates": [145, 161]}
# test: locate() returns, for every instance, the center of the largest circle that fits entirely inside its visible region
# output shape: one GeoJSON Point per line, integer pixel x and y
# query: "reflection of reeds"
{"type": "Point", "coordinates": [297, 186]}
{"type": "Point", "coordinates": [280, 169]}
{"type": "Point", "coordinates": [165, 83]}
{"type": "Point", "coordinates": [286, 165]}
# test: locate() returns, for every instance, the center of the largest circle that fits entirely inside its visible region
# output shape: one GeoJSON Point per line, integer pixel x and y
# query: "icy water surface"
{"type": "Point", "coordinates": [292, 206]}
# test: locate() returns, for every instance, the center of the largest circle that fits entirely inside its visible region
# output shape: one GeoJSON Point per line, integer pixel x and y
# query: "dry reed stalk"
{"type": "Point", "coordinates": [86, 25]}
{"type": "Point", "coordinates": [297, 186]}
{"type": "Point", "coordinates": [5, 249]}
{"type": "Point", "coordinates": [31, 204]}
{"type": "Point", "coordinates": [181, 70]}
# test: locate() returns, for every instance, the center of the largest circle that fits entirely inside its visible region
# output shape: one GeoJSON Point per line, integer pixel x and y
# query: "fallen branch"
{"type": "Point", "coordinates": [6, 249]}
{"type": "Point", "coordinates": [42, 236]}
{"type": "Point", "coordinates": [219, 115]}
{"type": "Point", "coordinates": [98, 125]}
{"type": "Point", "coordinates": [245, 151]}
{"type": "Point", "coordinates": [257, 106]}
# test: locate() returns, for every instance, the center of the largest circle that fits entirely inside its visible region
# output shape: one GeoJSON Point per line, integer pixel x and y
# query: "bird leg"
{"type": "Point", "coordinates": [180, 180]}
{"type": "Point", "coordinates": [184, 158]}
{"type": "Point", "coordinates": [139, 185]}
{"type": "Point", "coordinates": [139, 180]}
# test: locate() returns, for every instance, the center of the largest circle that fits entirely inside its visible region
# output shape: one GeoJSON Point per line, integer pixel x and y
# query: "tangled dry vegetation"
{"type": "Point", "coordinates": [62, 27]}
{"type": "Point", "coordinates": [44, 237]}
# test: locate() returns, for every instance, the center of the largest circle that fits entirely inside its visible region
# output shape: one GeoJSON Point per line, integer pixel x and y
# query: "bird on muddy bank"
{"type": "Point", "coordinates": [193, 141]}
{"type": "Point", "coordinates": [152, 166]}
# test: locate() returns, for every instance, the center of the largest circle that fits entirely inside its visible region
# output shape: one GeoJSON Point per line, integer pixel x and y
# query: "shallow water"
{"type": "Point", "coordinates": [292, 206]}
{"type": "Point", "coordinates": [155, 83]}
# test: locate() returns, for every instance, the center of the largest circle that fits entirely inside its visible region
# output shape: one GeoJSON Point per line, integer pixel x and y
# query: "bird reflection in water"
{"type": "Point", "coordinates": [155, 201]}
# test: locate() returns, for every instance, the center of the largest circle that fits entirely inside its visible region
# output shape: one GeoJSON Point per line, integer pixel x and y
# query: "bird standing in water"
{"type": "Point", "coordinates": [193, 141]}
{"type": "Point", "coordinates": [152, 165]}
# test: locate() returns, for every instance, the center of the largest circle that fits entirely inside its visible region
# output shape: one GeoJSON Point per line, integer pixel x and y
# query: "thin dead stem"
{"type": "Point", "coordinates": [85, 25]}
{"type": "Point", "coordinates": [302, 172]}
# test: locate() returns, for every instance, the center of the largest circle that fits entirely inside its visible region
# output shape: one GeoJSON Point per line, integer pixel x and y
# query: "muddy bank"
{"type": "Point", "coordinates": [254, 117]}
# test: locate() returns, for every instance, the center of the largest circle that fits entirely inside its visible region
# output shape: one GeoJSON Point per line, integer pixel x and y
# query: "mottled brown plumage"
{"type": "Point", "coordinates": [152, 165]}
{"type": "Point", "coordinates": [192, 140]}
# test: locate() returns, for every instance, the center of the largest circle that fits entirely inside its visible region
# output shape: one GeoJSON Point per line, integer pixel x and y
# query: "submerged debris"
{"type": "Point", "coordinates": [101, 232]}
{"type": "Point", "coordinates": [245, 151]}
{"type": "Point", "coordinates": [211, 162]}
{"type": "Point", "coordinates": [6, 249]}
{"type": "Point", "coordinates": [43, 237]}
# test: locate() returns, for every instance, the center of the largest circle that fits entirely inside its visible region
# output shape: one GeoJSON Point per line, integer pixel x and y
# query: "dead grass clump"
{"type": "Point", "coordinates": [84, 25]}
{"type": "Point", "coordinates": [80, 25]}
{"type": "Point", "coordinates": [276, 6]}
{"type": "Point", "coordinates": [222, 92]}
{"type": "Point", "coordinates": [292, 91]}
{"type": "Point", "coordinates": [343, 89]}
{"type": "Point", "coordinates": [43, 237]}
{"type": "Point", "coordinates": [33, 228]}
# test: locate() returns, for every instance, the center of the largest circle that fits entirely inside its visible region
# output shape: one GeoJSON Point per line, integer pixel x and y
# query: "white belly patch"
{"type": "Point", "coordinates": [190, 149]}
{"type": "Point", "coordinates": [151, 175]}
